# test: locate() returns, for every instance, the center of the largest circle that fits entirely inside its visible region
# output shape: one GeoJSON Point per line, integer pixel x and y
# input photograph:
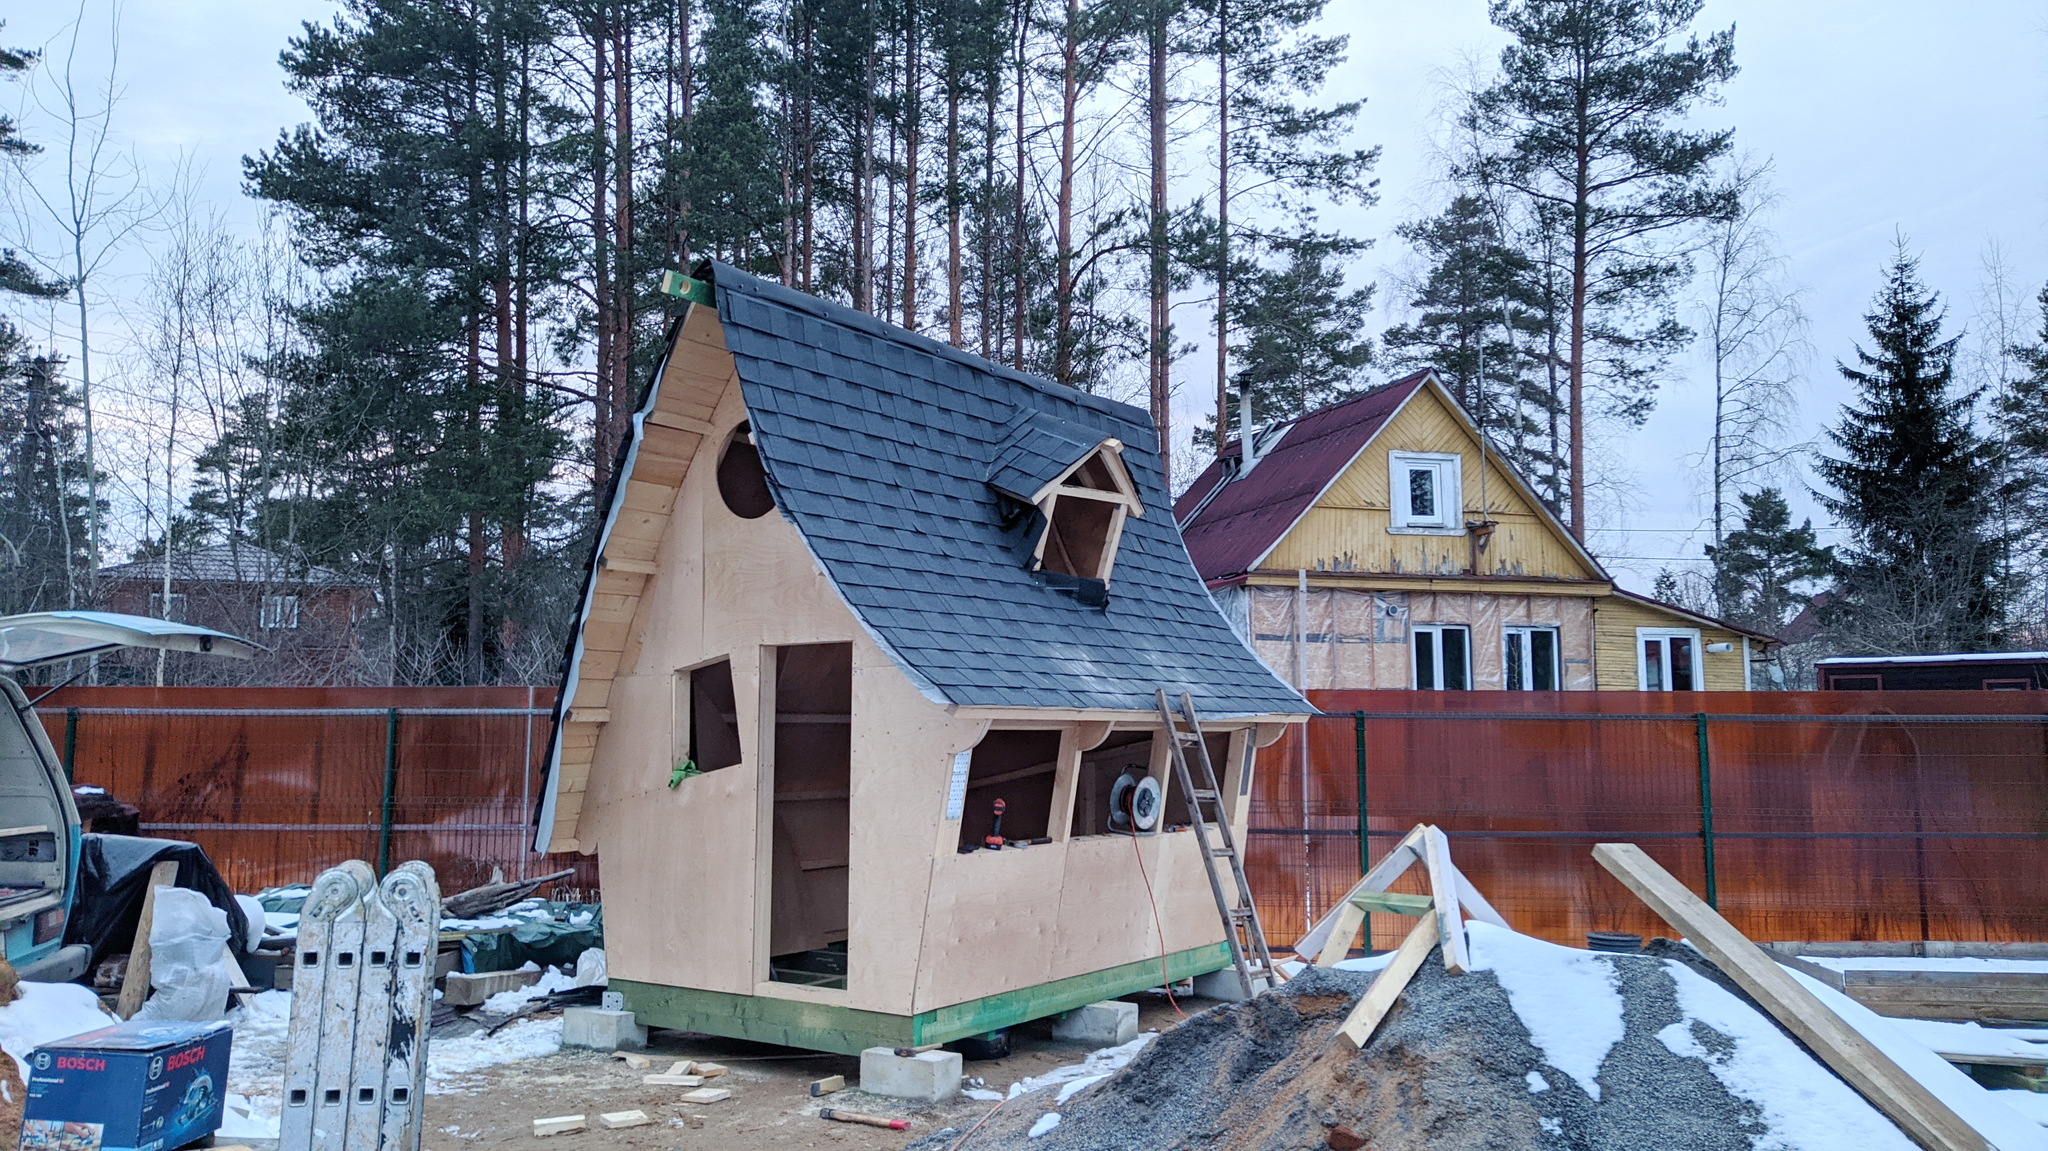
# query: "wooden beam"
{"type": "Point", "coordinates": [636, 567]}
{"type": "Point", "coordinates": [1855, 1058]}
{"type": "Point", "coordinates": [1393, 979]}
{"type": "Point", "coordinates": [1391, 867]}
{"type": "Point", "coordinates": [1443, 883]}
{"type": "Point", "coordinates": [1350, 917]}
{"type": "Point", "coordinates": [1394, 903]}
{"type": "Point", "coordinates": [679, 422]}
{"type": "Point", "coordinates": [135, 983]}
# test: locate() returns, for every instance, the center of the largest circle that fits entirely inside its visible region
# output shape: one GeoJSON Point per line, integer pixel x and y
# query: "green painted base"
{"type": "Point", "coordinates": [849, 1031]}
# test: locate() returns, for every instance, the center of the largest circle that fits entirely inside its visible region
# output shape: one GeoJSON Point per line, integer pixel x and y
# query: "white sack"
{"type": "Point", "coordinates": [189, 969]}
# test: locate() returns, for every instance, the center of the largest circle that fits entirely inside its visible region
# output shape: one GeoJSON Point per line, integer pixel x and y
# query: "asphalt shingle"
{"type": "Point", "coordinates": [880, 446]}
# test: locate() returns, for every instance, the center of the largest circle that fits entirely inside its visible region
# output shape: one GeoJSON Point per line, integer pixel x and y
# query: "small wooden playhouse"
{"type": "Point", "coordinates": [853, 587]}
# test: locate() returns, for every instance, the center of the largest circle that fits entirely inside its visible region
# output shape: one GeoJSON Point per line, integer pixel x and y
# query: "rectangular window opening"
{"type": "Point", "coordinates": [1017, 769]}
{"type": "Point", "coordinates": [1078, 539]}
{"type": "Point", "coordinates": [279, 613]}
{"type": "Point", "coordinates": [1425, 490]}
{"type": "Point", "coordinates": [1442, 657]}
{"type": "Point", "coordinates": [1530, 658]}
{"type": "Point", "coordinates": [1124, 753]}
{"type": "Point", "coordinates": [707, 723]}
{"type": "Point", "coordinates": [1668, 659]}
{"type": "Point", "coordinates": [173, 609]}
{"type": "Point", "coordinates": [812, 833]}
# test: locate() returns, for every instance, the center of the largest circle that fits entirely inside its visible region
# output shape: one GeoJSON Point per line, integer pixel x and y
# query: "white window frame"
{"type": "Point", "coordinates": [278, 612]}
{"type": "Point", "coordinates": [1450, 493]}
{"type": "Point", "coordinates": [1437, 630]}
{"type": "Point", "coordinates": [179, 603]}
{"type": "Point", "coordinates": [1699, 652]}
{"type": "Point", "coordinates": [1528, 655]}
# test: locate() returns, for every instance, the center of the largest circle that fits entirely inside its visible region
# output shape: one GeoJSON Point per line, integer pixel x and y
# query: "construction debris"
{"type": "Point", "coordinates": [708, 1070]}
{"type": "Point", "coordinates": [617, 1120]}
{"type": "Point", "coordinates": [672, 1080]}
{"type": "Point", "coordinates": [481, 901]}
{"type": "Point", "coordinates": [559, 1125]}
{"type": "Point", "coordinates": [827, 1085]}
{"type": "Point", "coordinates": [707, 1095]}
{"type": "Point", "coordinates": [633, 1060]}
{"type": "Point", "coordinates": [840, 1116]}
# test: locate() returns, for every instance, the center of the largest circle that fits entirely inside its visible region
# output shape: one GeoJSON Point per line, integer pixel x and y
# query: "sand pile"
{"type": "Point", "coordinates": [1539, 1046]}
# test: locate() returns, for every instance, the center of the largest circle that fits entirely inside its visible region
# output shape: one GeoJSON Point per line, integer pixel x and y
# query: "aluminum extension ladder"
{"type": "Point", "coordinates": [1241, 930]}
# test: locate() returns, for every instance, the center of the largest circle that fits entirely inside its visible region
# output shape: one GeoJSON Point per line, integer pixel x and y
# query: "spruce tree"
{"type": "Point", "coordinates": [2022, 415]}
{"type": "Point", "coordinates": [43, 490]}
{"type": "Point", "coordinates": [1300, 333]}
{"type": "Point", "coordinates": [1758, 567]}
{"type": "Point", "coordinates": [1920, 572]}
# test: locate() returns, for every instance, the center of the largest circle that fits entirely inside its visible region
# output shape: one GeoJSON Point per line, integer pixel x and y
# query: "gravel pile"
{"type": "Point", "coordinates": [1451, 1068]}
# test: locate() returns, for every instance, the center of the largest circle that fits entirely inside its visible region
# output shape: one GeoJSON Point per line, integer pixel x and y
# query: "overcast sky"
{"type": "Point", "coordinates": [1880, 117]}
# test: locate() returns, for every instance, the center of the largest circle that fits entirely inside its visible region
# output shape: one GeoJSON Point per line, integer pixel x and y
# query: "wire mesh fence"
{"type": "Point", "coordinates": [1899, 821]}
{"type": "Point", "coordinates": [276, 790]}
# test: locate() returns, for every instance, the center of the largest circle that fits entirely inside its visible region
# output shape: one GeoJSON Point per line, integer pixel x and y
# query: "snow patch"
{"type": "Point", "coordinates": [1567, 998]}
{"type": "Point", "coordinates": [1803, 1104]}
{"type": "Point", "coordinates": [1045, 1124]}
{"type": "Point", "coordinates": [1537, 1083]}
{"type": "Point", "coordinates": [45, 1013]}
{"type": "Point", "coordinates": [1098, 1066]}
{"type": "Point", "coordinates": [1926, 963]}
{"type": "Point", "coordinates": [1554, 1126]}
{"type": "Point", "coordinates": [450, 1059]}
{"type": "Point", "coordinates": [509, 1002]}
{"type": "Point", "coordinates": [2031, 1105]}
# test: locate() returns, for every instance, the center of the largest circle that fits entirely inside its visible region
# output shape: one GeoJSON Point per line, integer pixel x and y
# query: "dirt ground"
{"type": "Point", "coordinates": [768, 1108]}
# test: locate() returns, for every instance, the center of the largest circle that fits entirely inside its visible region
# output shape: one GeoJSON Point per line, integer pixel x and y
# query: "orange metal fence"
{"type": "Point", "coordinates": [278, 783]}
{"type": "Point", "coordinates": [1805, 815]}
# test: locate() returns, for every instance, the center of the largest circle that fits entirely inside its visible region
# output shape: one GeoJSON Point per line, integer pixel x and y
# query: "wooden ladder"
{"type": "Point", "coordinates": [1241, 930]}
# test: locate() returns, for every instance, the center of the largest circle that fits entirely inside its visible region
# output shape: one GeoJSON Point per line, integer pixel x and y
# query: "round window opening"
{"type": "Point", "coordinates": [742, 484]}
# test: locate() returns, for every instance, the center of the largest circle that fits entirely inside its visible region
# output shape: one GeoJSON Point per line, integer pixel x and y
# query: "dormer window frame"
{"type": "Point", "coordinates": [1121, 498]}
{"type": "Point", "coordinates": [1445, 472]}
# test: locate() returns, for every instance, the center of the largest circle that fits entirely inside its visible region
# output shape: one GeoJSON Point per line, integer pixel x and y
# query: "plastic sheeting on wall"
{"type": "Point", "coordinates": [1346, 639]}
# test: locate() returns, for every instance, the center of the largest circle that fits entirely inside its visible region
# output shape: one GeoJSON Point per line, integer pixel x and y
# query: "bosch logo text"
{"type": "Point", "coordinates": [186, 1058]}
{"type": "Point", "coordinates": [80, 1063]}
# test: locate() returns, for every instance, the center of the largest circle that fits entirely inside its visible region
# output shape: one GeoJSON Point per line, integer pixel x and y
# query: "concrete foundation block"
{"type": "Point", "coordinates": [601, 1029]}
{"type": "Point", "coordinates": [928, 1076]}
{"type": "Point", "coordinates": [463, 990]}
{"type": "Point", "coordinates": [1224, 985]}
{"type": "Point", "coordinates": [1111, 1023]}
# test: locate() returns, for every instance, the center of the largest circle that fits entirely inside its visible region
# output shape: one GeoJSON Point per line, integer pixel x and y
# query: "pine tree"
{"type": "Point", "coordinates": [1301, 342]}
{"type": "Point", "coordinates": [1585, 122]}
{"type": "Point", "coordinates": [43, 490]}
{"type": "Point", "coordinates": [1759, 566]}
{"type": "Point", "coordinates": [1921, 572]}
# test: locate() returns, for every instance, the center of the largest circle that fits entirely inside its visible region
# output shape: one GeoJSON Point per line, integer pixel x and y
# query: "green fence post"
{"type": "Point", "coordinates": [1707, 807]}
{"type": "Point", "coordinates": [70, 745]}
{"type": "Point", "coordinates": [390, 790]}
{"type": "Point", "coordinates": [1364, 838]}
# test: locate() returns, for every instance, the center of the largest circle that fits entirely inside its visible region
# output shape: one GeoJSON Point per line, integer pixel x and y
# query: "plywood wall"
{"type": "Point", "coordinates": [1346, 531]}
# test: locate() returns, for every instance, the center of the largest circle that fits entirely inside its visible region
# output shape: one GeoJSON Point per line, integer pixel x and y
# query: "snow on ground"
{"type": "Point", "coordinates": [47, 1012]}
{"type": "Point", "coordinates": [2031, 1104]}
{"type": "Point", "coordinates": [1926, 963]}
{"type": "Point", "coordinates": [255, 1089]}
{"type": "Point", "coordinates": [1567, 998]}
{"type": "Point", "coordinates": [1973, 1039]}
{"type": "Point", "coordinates": [1993, 1118]}
{"type": "Point", "coordinates": [1802, 1102]}
{"type": "Point", "coordinates": [1075, 1077]}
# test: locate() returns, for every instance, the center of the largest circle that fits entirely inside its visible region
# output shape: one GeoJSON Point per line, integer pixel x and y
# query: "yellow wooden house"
{"type": "Point", "coordinates": [1382, 543]}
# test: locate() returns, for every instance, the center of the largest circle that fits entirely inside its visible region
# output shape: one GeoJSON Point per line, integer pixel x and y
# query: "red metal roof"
{"type": "Point", "coordinates": [1250, 513]}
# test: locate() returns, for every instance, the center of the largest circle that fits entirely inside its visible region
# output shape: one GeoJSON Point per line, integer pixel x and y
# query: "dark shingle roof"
{"type": "Point", "coordinates": [1230, 530]}
{"type": "Point", "coordinates": [1038, 449]}
{"type": "Point", "coordinates": [880, 446]}
{"type": "Point", "coordinates": [232, 563]}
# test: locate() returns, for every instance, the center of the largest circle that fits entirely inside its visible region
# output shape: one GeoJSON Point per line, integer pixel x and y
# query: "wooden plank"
{"type": "Point", "coordinates": [1393, 979]}
{"type": "Point", "coordinates": [2035, 981]}
{"type": "Point", "coordinates": [135, 984]}
{"type": "Point", "coordinates": [1443, 883]}
{"type": "Point", "coordinates": [1391, 867]}
{"type": "Point", "coordinates": [679, 421]}
{"type": "Point", "coordinates": [1394, 903]}
{"type": "Point", "coordinates": [636, 567]}
{"type": "Point", "coordinates": [1350, 917]}
{"type": "Point", "coordinates": [641, 496]}
{"type": "Point", "coordinates": [1855, 1058]}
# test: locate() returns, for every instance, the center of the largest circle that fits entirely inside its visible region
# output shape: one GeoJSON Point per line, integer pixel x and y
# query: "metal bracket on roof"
{"type": "Point", "coordinates": [683, 287]}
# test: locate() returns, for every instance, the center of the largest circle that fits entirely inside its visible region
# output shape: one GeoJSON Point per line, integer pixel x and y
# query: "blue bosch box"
{"type": "Point", "coordinates": [136, 1086]}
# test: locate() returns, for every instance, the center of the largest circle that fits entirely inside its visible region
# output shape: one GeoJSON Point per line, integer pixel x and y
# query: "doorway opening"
{"type": "Point", "coordinates": [812, 832]}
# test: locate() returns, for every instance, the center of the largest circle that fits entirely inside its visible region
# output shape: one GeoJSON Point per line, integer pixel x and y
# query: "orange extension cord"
{"type": "Point", "coordinates": [1165, 983]}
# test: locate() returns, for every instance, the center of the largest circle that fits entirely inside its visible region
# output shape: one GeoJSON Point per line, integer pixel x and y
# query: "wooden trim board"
{"type": "Point", "coordinates": [1904, 1099]}
{"type": "Point", "coordinates": [1394, 864]}
{"type": "Point", "coordinates": [849, 1030]}
{"type": "Point", "coordinates": [1444, 886]}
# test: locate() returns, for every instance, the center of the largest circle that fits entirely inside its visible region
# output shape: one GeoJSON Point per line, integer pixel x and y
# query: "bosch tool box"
{"type": "Point", "coordinates": [136, 1086]}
